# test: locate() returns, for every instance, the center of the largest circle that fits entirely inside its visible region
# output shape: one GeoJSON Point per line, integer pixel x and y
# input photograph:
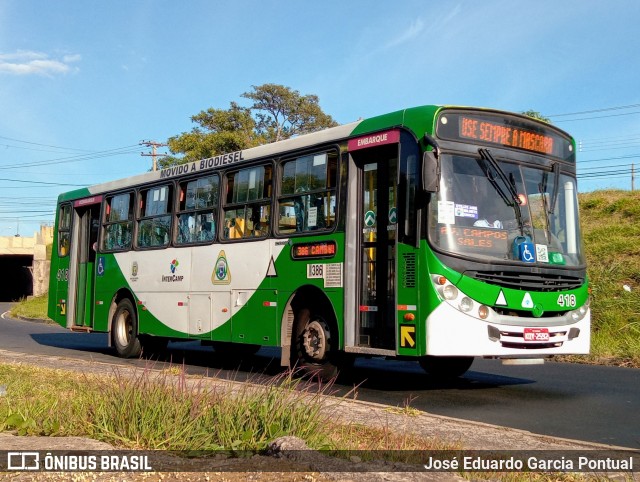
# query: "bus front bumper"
{"type": "Point", "coordinates": [451, 332]}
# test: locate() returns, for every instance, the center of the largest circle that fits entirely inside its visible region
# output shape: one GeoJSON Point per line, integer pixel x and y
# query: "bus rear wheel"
{"type": "Point", "coordinates": [313, 350]}
{"type": "Point", "coordinates": [446, 367]}
{"type": "Point", "coordinates": [124, 330]}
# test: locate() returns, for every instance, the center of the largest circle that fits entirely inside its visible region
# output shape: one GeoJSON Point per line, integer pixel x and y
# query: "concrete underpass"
{"type": "Point", "coordinates": [24, 267]}
{"type": "Point", "coordinates": [16, 278]}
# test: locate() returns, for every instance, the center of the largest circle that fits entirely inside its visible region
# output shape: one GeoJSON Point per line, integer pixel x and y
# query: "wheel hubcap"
{"type": "Point", "coordinates": [315, 341]}
{"type": "Point", "coordinates": [123, 329]}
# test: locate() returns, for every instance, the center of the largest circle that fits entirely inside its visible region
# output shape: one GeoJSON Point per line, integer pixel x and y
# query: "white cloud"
{"type": "Point", "coordinates": [27, 62]}
{"type": "Point", "coordinates": [412, 32]}
{"type": "Point", "coordinates": [71, 58]}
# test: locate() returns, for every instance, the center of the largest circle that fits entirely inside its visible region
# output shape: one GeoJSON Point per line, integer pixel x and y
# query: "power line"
{"type": "Point", "coordinates": [607, 167]}
{"type": "Point", "coordinates": [81, 157]}
{"type": "Point", "coordinates": [598, 117]}
{"type": "Point", "coordinates": [617, 172]}
{"type": "Point", "coordinates": [605, 109]}
{"type": "Point", "coordinates": [605, 147]}
{"type": "Point", "coordinates": [19, 216]}
{"type": "Point", "coordinates": [43, 145]}
{"type": "Point", "coordinates": [631, 156]}
{"type": "Point", "coordinates": [42, 182]}
{"type": "Point", "coordinates": [610, 140]}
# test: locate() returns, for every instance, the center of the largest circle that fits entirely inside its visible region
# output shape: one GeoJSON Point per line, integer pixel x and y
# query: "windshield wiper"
{"type": "Point", "coordinates": [542, 189]}
{"type": "Point", "coordinates": [556, 183]}
{"type": "Point", "coordinates": [549, 206]}
{"type": "Point", "coordinates": [513, 200]}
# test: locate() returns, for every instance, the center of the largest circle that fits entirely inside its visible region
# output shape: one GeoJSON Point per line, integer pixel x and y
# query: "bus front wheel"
{"type": "Point", "coordinates": [124, 329]}
{"type": "Point", "coordinates": [313, 351]}
{"type": "Point", "coordinates": [446, 366]}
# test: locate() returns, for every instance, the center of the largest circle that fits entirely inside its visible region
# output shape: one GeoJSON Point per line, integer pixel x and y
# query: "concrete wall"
{"type": "Point", "coordinates": [41, 264]}
{"type": "Point", "coordinates": [36, 246]}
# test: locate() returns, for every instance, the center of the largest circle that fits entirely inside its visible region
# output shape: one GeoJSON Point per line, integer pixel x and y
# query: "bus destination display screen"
{"type": "Point", "coordinates": [492, 242]}
{"type": "Point", "coordinates": [320, 249]}
{"type": "Point", "coordinates": [504, 131]}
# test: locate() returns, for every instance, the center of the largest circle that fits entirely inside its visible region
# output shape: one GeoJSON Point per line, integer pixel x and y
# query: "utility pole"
{"type": "Point", "coordinates": [153, 145]}
{"type": "Point", "coordinates": [632, 175]}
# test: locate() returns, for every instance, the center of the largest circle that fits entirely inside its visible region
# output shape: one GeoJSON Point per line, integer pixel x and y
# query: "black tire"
{"type": "Point", "coordinates": [124, 330]}
{"type": "Point", "coordinates": [314, 346]}
{"type": "Point", "coordinates": [446, 367]}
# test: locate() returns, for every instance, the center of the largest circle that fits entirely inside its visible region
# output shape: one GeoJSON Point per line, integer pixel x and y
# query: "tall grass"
{"type": "Point", "coordinates": [153, 409]}
{"type": "Point", "coordinates": [167, 412]}
{"type": "Point", "coordinates": [158, 410]}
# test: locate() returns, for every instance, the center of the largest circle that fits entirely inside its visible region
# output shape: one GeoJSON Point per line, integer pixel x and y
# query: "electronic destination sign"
{"type": "Point", "coordinates": [504, 131]}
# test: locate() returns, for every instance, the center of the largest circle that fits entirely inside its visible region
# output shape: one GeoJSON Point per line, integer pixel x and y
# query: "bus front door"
{"type": "Point", "coordinates": [82, 269]}
{"type": "Point", "coordinates": [378, 172]}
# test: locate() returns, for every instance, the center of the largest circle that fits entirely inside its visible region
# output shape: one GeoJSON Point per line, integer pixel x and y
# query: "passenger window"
{"type": "Point", "coordinates": [247, 212]}
{"type": "Point", "coordinates": [154, 219]}
{"type": "Point", "coordinates": [64, 231]}
{"type": "Point", "coordinates": [198, 200]}
{"type": "Point", "coordinates": [307, 199]}
{"type": "Point", "coordinates": [118, 224]}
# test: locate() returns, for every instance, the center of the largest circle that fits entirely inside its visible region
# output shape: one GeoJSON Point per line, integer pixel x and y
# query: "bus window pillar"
{"type": "Point", "coordinates": [570, 210]}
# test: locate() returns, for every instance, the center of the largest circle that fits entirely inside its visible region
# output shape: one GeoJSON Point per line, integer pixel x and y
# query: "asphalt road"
{"type": "Point", "coordinates": [581, 402]}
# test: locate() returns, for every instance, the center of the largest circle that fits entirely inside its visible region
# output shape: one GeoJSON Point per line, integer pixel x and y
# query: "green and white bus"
{"type": "Point", "coordinates": [435, 234]}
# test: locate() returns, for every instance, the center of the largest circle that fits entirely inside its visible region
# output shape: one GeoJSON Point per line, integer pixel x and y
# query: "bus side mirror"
{"type": "Point", "coordinates": [430, 172]}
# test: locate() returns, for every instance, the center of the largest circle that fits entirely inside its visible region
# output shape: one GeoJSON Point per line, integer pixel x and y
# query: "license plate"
{"type": "Point", "coordinates": [536, 334]}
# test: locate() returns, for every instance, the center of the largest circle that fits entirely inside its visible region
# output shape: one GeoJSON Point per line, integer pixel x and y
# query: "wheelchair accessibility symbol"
{"type": "Point", "coordinates": [527, 253]}
{"type": "Point", "coordinates": [100, 266]}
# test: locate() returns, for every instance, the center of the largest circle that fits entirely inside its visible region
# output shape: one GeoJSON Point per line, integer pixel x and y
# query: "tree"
{"type": "Point", "coordinates": [282, 113]}
{"type": "Point", "coordinates": [536, 115]}
{"type": "Point", "coordinates": [277, 113]}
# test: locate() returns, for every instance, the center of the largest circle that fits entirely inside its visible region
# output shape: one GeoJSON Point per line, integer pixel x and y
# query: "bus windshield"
{"type": "Point", "coordinates": [476, 215]}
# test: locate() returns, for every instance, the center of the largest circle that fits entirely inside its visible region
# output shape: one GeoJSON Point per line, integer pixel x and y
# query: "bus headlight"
{"type": "Point", "coordinates": [459, 300]}
{"type": "Point", "coordinates": [466, 304]}
{"type": "Point", "coordinates": [577, 315]}
{"type": "Point", "coordinates": [450, 292]}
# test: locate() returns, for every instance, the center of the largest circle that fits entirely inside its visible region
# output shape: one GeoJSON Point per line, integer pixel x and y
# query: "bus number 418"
{"type": "Point", "coordinates": [567, 300]}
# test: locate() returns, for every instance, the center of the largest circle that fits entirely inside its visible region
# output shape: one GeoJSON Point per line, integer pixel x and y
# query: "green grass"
{"type": "Point", "coordinates": [611, 228]}
{"type": "Point", "coordinates": [34, 307]}
{"type": "Point", "coordinates": [152, 409]}
{"type": "Point", "coordinates": [158, 410]}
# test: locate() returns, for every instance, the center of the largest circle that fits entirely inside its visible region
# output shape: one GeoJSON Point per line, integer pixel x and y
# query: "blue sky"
{"type": "Point", "coordinates": [87, 80]}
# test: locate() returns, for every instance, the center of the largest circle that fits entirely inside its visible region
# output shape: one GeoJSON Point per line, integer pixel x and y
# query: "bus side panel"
{"type": "Point", "coordinates": [410, 331]}
{"type": "Point", "coordinates": [125, 272]}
